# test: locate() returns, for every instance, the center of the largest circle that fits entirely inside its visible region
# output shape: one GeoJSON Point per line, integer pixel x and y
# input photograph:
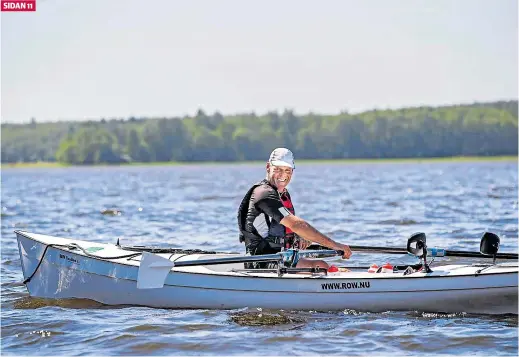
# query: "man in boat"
{"type": "Point", "coordinates": [267, 220]}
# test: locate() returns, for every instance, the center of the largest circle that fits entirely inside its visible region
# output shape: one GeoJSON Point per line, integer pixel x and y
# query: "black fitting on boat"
{"type": "Point", "coordinates": [489, 245]}
{"type": "Point", "coordinates": [417, 246]}
{"type": "Point", "coordinates": [41, 260]}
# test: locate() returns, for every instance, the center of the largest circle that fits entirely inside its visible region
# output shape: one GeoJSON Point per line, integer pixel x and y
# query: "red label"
{"type": "Point", "coordinates": [18, 5]}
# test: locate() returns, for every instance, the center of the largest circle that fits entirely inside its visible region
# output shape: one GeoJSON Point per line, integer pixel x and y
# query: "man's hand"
{"type": "Point", "coordinates": [303, 243]}
{"type": "Point", "coordinates": [346, 249]}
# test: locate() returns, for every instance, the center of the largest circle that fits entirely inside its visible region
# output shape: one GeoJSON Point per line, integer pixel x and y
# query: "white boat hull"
{"type": "Point", "coordinates": [65, 273]}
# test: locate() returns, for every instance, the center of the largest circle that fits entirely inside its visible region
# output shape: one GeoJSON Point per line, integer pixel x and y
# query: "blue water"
{"type": "Point", "coordinates": [194, 206]}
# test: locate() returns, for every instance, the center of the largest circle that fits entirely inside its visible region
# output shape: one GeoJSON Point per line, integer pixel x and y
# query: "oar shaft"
{"type": "Point", "coordinates": [240, 259]}
{"type": "Point", "coordinates": [461, 253]}
{"type": "Point", "coordinates": [452, 253]}
{"type": "Point", "coordinates": [388, 250]}
{"type": "Point", "coordinates": [256, 258]}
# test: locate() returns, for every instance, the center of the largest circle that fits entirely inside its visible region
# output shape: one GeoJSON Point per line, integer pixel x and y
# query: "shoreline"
{"type": "Point", "coordinates": [416, 160]}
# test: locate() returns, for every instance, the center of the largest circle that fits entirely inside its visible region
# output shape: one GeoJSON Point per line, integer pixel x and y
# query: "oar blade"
{"type": "Point", "coordinates": [153, 271]}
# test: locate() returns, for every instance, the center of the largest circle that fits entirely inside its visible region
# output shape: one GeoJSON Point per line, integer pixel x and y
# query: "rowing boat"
{"type": "Point", "coordinates": [55, 267]}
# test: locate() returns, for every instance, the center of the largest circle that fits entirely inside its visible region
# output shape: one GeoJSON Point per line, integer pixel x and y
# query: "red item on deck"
{"type": "Point", "coordinates": [333, 269]}
{"type": "Point", "coordinates": [373, 268]}
{"type": "Point", "coordinates": [387, 268]}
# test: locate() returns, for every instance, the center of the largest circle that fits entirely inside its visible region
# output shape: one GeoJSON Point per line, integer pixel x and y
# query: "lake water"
{"type": "Point", "coordinates": [194, 206]}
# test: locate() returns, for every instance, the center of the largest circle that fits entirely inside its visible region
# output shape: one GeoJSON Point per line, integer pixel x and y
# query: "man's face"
{"type": "Point", "coordinates": [279, 175]}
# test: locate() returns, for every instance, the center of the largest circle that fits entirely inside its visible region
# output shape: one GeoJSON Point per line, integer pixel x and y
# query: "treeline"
{"type": "Point", "coordinates": [483, 129]}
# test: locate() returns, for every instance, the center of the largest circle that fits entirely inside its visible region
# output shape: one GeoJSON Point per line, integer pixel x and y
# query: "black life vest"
{"type": "Point", "coordinates": [254, 236]}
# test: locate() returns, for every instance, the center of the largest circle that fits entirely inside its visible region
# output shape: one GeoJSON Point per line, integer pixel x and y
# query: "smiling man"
{"type": "Point", "coordinates": [267, 220]}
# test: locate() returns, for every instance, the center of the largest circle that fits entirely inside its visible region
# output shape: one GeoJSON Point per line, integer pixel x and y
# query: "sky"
{"type": "Point", "coordinates": [93, 59]}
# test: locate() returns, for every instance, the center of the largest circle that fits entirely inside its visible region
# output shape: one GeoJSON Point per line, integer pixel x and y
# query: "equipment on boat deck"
{"type": "Point", "coordinates": [112, 274]}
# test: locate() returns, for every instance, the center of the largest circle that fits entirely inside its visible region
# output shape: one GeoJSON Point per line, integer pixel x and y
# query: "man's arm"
{"type": "Point", "coordinates": [268, 201]}
{"type": "Point", "coordinates": [307, 232]}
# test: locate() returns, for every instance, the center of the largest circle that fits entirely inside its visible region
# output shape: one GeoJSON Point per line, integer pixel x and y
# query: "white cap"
{"type": "Point", "coordinates": [282, 157]}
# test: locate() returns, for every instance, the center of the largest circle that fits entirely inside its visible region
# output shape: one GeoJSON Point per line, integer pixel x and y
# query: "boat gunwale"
{"type": "Point", "coordinates": [293, 291]}
{"type": "Point", "coordinates": [226, 274]}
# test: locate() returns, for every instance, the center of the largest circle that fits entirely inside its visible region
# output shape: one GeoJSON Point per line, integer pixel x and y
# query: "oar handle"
{"type": "Point", "coordinates": [360, 248]}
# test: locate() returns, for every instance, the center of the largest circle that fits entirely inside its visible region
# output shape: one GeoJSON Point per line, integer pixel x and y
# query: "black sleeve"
{"type": "Point", "coordinates": [267, 200]}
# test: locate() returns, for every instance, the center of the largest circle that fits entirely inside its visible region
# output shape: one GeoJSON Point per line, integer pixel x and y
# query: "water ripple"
{"type": "Point", "coordinates": [184, 206]}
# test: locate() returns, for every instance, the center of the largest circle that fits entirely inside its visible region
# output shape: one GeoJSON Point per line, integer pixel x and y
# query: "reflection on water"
{"type": "Point", "coordinates": [265, 318]}
{"type": "Point", "coordinates": [28, 302]}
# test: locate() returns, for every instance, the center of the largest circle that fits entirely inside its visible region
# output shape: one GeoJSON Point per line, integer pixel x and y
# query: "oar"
{"type": "Point", "coordinates": [432, 252]}
{"type": "Point", "coordinates": [435, 252]}
{"type": "Point", "coordinates": [157, 250]}
{"type": "Point", "coordinates": [154, 269]}
{"type": "Point", "coordinates": [257, 258]}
